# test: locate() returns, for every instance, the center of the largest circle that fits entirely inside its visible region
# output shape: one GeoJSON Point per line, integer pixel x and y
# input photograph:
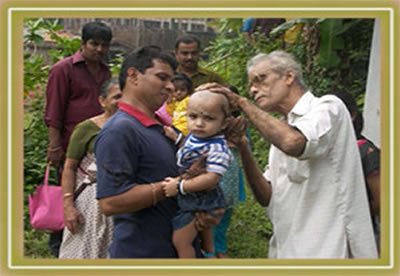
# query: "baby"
{"type": "Point", "coordinates": [177, 107]}
{"type": "Point", "coordinates": [208, 115]}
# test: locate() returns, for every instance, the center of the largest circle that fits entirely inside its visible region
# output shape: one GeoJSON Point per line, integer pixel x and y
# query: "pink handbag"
{"type": "Point", "coordinates": [46, 210]}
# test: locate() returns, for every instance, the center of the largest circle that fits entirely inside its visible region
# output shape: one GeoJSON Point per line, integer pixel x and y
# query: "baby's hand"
{"type": "Point", "coordinates": [170, 186]}
{"type": "Point", "coordinates": [198, 167]}
{"type": "Point", "coordinates": [170, 133]}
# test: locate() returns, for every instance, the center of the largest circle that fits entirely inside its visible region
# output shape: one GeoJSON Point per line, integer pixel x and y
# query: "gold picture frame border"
{"type": "Point", "coordinates": [15, 12]}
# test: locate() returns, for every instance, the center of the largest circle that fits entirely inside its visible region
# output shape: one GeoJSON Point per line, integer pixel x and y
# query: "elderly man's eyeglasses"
{"type": "Point", "coordinates": [259, 78]}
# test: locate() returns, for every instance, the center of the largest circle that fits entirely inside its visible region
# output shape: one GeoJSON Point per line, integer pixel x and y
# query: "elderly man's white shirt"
{"type": "Point", "coordinates": [319, 205]}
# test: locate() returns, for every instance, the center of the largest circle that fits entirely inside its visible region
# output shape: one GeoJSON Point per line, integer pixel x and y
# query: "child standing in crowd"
{"type": "Point", "coordinates": [88, 232]}
{"type": "Point", "coordinates": [208, 115]}
{"type": "Point", "coordinates": [178, 105]}
{"type": "Point", "coordinates": [232, 185]}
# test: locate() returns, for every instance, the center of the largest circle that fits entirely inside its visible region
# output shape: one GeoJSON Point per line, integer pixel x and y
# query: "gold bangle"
{"type": "Point", "coordinates": [67, 195]}
{"type": "Point", "coordinates": [154, 193]}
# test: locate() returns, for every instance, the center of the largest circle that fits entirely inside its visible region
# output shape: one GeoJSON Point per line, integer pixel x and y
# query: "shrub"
{"type": "Point", "coordinates": [35, 130]}
{"type": "Point", "coordinates": [249, 231]}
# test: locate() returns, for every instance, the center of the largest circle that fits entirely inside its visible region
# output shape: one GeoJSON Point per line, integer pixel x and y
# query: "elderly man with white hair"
{"type": "Point", "coordinates": [313, 186]}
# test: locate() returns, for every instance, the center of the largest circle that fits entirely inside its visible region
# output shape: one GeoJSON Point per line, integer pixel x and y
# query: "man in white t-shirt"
{"type": "Point", "coordinates": [313, 186]}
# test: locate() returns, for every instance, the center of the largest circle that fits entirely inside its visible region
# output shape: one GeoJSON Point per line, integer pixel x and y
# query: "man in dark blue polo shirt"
{"type": "Point", "coordinates": [133, 158]}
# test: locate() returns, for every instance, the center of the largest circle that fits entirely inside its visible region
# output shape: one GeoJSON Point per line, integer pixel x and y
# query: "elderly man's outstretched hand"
{"type": "Point", "coordinates": [236, 130]}
{"type": "Point", "coordinates": [218, 88]}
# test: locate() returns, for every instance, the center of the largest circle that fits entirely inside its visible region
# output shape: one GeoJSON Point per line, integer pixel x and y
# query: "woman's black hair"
{"type": "Point", "coordinates": [105, 87]}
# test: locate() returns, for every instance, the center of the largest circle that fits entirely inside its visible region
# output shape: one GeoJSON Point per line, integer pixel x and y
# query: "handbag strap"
{"type": "Point", "coordinates": [80, 190]}
{"type": "Point", "coordinates": [46, 175]}
{"type": "Point", "coordinates": [84, 185]}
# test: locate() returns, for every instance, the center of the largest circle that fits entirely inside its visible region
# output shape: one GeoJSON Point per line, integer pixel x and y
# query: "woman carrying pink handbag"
{"type": "Point", "coordinates": [87, 232]}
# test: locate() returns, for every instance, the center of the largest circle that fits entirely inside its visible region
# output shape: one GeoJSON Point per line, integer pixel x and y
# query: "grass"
{"type": "Point", "coordinates": [249, 231]}
{"type": "Point", "coordinates": [36, 244]}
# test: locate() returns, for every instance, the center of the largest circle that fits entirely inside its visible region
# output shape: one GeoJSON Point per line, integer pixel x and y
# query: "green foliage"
{"type": "Point", "coordinates": [35, 141]}
{"type": "Point", "coordinates": [35, 72]}
{"type": "Point", "coordinates": [226, 25]}
{"type": "Point", "coordinates": [260, 147]}
{"type": "Point", "coordinates": [68, 48]}
{"type": "Point", "coordinates": [280, 30]}
{"type": "Point", "coordinates": [34, 32]}
{"type": "Point", "coordinates": [35, 130]}
{"type": "Point", "coordinates": [249, 231]}
{"type": "Point", "coordinates": [36, 244]}
{"type": "Point", "coordinates": [35, 144]}
{"type": "Point", "coordinates": [35, 78]}
{"type": "Point", "coordinates": [115, 65]}
{"type": "Point", "coordinates": [330, 42]}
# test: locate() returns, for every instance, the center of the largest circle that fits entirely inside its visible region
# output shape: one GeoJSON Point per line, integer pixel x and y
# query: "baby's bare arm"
{"type": "Point", "coordinates": [202, 182]}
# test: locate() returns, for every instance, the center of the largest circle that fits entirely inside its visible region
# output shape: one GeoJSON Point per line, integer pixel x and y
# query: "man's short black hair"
{"type": "Point", "coordinates": [97, 31]}
{"type": "Point", "coordinates": [187, 39]}
{"type": "Point", "coordinates": [142, 59]}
